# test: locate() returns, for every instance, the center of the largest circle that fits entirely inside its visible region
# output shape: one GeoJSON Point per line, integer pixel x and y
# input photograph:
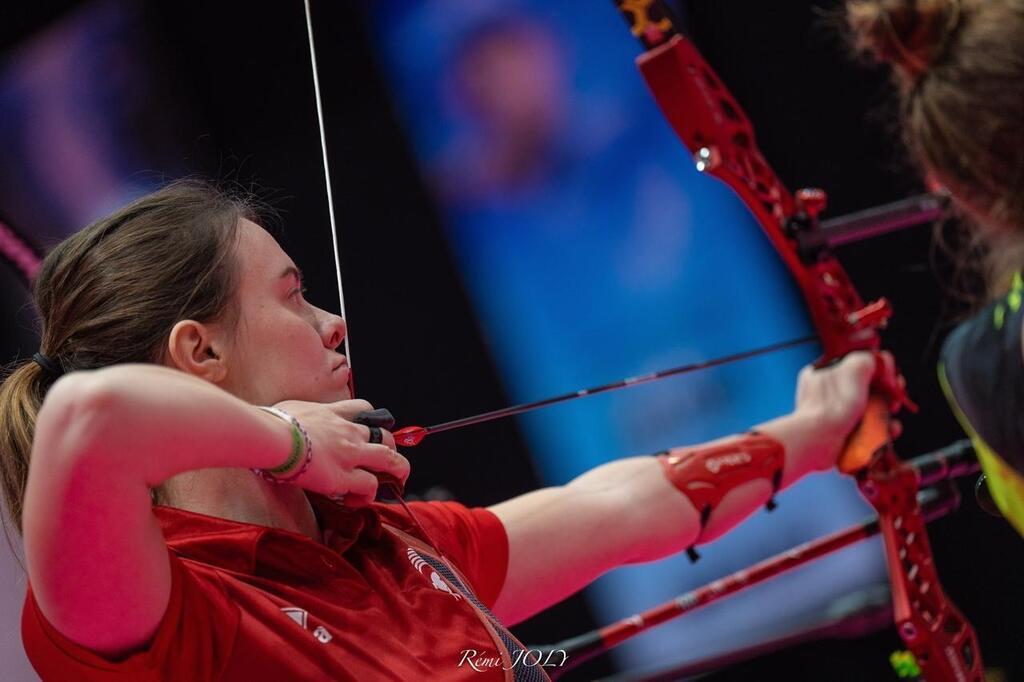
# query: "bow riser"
{"type": "Point", "coordinates": [721, 139]}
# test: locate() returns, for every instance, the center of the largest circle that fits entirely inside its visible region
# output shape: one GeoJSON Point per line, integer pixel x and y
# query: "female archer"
{"type": "Point", "coordinates": [959, 70]}
{"type": "Point", "coordinates": [183, 459]}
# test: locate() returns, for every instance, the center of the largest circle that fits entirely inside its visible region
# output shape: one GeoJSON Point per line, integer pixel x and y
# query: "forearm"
{"type": "Point", "coordinates": [150, 422]}
{"type": "Point", "coordinates": [659, 520]}
{"type": "Point", "coordinates": [626, 511]}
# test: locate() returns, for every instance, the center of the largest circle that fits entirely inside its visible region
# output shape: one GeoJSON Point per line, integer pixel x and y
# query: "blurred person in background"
{"type": "Point", "coordinates": [959, 70]}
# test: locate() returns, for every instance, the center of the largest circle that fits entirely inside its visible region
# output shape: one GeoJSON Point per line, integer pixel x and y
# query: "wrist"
{"type": "Point", "coordinates": [278, 441]}
{"type": "Point", "coordinates": [812, 443]}
{"type": "Point", "coordinates": [299, 449]}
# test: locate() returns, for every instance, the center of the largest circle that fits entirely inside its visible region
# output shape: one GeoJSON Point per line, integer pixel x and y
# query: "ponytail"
{"type": "Point", "coordinates": [21, 396]}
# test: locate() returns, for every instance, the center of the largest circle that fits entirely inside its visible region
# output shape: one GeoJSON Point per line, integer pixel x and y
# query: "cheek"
{"type": "Point", "coordinates": [304, 345]}
{"type": "Point", "coordinates": [299, 338]}
{"type": "Point", "coordinates": [279, 339]}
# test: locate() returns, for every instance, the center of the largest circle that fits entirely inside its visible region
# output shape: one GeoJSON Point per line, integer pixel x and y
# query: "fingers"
{"type": "Point", "coordinates": [349, 409]}
{"type": "Point", "coordinates": [375, 434]}
{"type": "Point", "coordinates": [887, 373]}
{"type": "Point", "coordinates": [359, 488]}
{"type": "Point", "coordinates": [878, 368]}
{"type": "Point", "coordinates": [858, 365]}
{"type": "Point", "coordinates": [373, 424]}
{"type": "Point", "coordinates": [863, 364]}
{"type": "Point", "coordinates": [378, 423]}
{"type": "Point", "coordinates": [380, 417]}
{"type": "Point", "coordinates": [381, 458]}
{"type": "Point", "coordinates": [887, 360]}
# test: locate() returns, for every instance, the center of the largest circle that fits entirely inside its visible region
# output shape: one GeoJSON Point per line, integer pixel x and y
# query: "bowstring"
{"type": "Point", "coordinates": [337, 256]}
{"type": "Point", "coordinates": [327, 172]}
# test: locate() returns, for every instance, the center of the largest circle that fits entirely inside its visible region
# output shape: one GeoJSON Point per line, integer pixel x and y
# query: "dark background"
{"type": "Point", "coordinates": [822, 120]}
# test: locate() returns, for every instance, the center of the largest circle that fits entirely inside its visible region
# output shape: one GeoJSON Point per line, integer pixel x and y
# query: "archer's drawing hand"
{"type": "Point", "coordinates": [344, 460]}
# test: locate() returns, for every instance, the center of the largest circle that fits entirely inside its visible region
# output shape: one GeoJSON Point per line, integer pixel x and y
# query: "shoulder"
{"type": "Point", "coordinates": [450, 520]}
{"type": "Point", "coordinates": [472, 538]}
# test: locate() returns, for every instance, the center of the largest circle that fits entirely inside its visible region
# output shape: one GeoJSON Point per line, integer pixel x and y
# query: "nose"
{"type": "Point", "coordinates": [332, 330]}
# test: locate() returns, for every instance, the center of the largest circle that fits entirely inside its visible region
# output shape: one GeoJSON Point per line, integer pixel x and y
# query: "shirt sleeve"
{"type": "Point", "coordinates": [473, 539]}
{"type": "Point", "coordinates": [191, 642]}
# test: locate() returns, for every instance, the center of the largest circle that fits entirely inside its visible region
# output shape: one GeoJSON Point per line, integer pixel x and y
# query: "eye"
{"type": "Point", "coordinates": [299, 291]}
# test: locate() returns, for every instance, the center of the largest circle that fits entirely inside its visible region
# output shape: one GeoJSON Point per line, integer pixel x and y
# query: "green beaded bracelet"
{"type": "Point", "coordinates": [300, 445]}
{"type": "Point", "coordinates": [296, 453]}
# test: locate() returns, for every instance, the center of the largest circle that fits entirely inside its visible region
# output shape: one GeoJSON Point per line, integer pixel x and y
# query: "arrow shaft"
{"type": "Point", "coordinates": [616, 385]}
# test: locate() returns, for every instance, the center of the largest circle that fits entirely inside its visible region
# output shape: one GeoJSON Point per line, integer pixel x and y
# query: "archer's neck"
{"type": "Point", "coordinates": [238, 495]}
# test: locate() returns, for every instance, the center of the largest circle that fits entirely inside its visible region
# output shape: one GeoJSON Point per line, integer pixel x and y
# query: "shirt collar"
{"type": "Point", "coordinates": [265, 551]}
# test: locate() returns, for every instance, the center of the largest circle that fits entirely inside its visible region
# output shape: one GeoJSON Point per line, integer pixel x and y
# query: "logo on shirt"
{"type": "Point", "coordinates": [302, 618]}
{"type": "Point", "coordinates": [419, 563]}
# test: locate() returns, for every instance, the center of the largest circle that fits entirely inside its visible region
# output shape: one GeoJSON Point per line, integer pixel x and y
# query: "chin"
{"type": "Point", "coordinates": [336, 393]}
{"type": "Point", "coordinates": [344, 376]}
{"type": "Point", "coordinates": [329, 394]}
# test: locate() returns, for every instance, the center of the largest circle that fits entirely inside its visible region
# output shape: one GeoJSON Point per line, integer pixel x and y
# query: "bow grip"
{"type": "Point", "coordinates": [870, 435]}
{"type": "Point", "coordinates": [887, 397]}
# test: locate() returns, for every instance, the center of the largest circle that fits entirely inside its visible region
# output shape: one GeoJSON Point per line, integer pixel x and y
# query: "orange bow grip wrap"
{"type": "Point", "coordinates": [869, 437]}
{"type": "Point", "coordinates": [888, 396]}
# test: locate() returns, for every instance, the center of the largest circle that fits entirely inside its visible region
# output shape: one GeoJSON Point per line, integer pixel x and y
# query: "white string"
{"type": "Point", "coordinates": [327, 172]}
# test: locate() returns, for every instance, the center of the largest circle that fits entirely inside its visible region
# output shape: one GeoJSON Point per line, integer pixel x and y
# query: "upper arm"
{"type": "Point", "coordinates": [96, 557]}
{"type": "Point", "coordinates": [559, 540]}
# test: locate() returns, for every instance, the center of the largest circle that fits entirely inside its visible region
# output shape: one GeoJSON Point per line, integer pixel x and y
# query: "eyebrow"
{"type": "Point", "coordinates": [291, 270]}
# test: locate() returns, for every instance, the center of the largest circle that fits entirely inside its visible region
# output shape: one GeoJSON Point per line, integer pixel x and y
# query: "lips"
{"type": "Point", "coordinates": [343, 363]}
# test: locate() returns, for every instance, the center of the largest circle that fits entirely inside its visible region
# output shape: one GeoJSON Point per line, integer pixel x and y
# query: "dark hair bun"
{"type": "Point", "coordinates": [907, 34]}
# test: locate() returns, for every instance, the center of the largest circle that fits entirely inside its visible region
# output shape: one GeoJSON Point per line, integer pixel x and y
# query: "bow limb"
{"type": "Point", "coordinates": [712, 125]}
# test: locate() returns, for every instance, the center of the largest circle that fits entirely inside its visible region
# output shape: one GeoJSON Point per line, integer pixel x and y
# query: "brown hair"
{"type": "Point", "coordinates": [959, 65]}
{"type": "Point", "coordinates": [112, 292]}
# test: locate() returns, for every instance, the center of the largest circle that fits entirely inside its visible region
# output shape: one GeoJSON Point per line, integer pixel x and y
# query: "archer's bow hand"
{"type": "Point", "coordinates": [838, 397]}
{"type": "Point", "coordinates": [834, 400]}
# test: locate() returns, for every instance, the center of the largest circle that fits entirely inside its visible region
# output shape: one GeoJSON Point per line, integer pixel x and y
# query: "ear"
{"type": "Point", "coordinates": [196, 348]}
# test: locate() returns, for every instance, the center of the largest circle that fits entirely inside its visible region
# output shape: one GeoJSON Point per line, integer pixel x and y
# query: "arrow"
{"type": "Point", "coordinates": [411, 436]}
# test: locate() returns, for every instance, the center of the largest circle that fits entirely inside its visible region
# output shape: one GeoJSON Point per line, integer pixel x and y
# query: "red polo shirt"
{"type": "Point", "coordinates": [255, 603]}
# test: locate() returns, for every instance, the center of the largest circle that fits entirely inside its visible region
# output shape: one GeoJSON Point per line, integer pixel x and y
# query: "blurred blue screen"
{"type": "Point", "coordinates": [593, 250]}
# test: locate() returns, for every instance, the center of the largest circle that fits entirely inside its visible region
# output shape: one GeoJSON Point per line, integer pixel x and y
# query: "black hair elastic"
{"type": "Point", "coordinates": [51, 367]}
